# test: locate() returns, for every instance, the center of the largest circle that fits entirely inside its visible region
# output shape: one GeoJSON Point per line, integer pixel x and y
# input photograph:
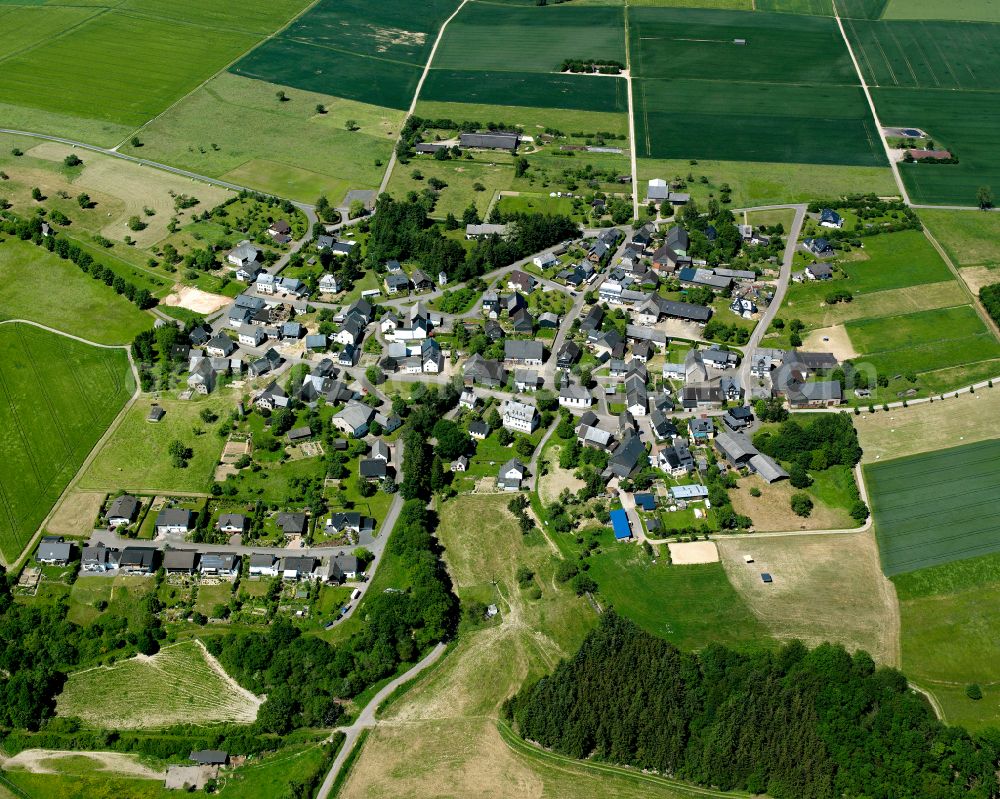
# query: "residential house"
{"type": "Point", "coordinates": [821, 394]}
{"type": "Point", "coordinates": [396, 283]}
{"type": "Point", "coordinates": [511, 474]}
{"type": "Point", "coordinates": [743, 306]}
{"type": "Point", "coordinates": [350, 332]}
{"type": "Point", "coordinates": [519, 416]}
{"type": "Point", "coordinates": [99, 558]}
{"type": "Point", "coordinates": [663, 426]}
{"type": "Point", "coordinates": [527, 353]}
{"type": "Point", "coordinates": [220, 346]}
{"type": "Point", "coordinates": [324, 242]}
{"type": "Point", "coordinates": [244, 255]}
{"type": "Point", "coordinates": [548, 320]}
{"type": "Point", "coordinates": [175, 521]}
{"type": "Point", "coordinates": [291, 524]}
{"type": "Point", "coordinates": [348, 356]}
{"type": "Point", "coordinates": [468, 399]}
{"type": "Point", "coordinates": [701, 430]}
{"type": "Point", "coordinates": [629, 456]}
{"type": "Point", "coordinates": [53, 551]}
{"type": "Point", "coordinates": [636, 399]}
{"type": "Point", "coordinates": [718, 358]}
{"type": "Point", "coordinates": [273, 396]}
{"type": "Point", "coordinates": [137, 560]}
{"type": "Point", "coordinates": [700, 397]}
{"type": "Point", "coordinates": [525, 379]}
{"type": "Point", "coordinates": [123, 511]}
{"type": "Point", "coordinates": [268, 362]}
{"type": "Point", "coordinates": [819, 271]}
{"type": "Point", "coordinates": [220, 564]}
{"type": "Point", "coordinates": [830, 219]}
{"type": "Point", "coordinates": [484, 372]}
{"type": "Point", "coordinates": [372, 469]}
{"type": "Point", "coordinates": [297, 568]}
{"type": "Point", "coordinates": [574, 396]}
{"type": "Point", "coordinates": [421, 281]}
{"type": "Point", "coordinates": [521, 281]}
{"type": "Point", "coordinates": [819, 247]}
{"type": "Point", "coordinates": [263, 564]}
{"type": "Point", "coordinates": [179, 561]}
{"type": "Point", "coordinates": [544, 261]}
{"type": "Point", "coordinates": [460, 464]}
{"type": "Point", "coordinates": [266, 283]}
{"type": "Point", "coordinates": [353, 419]}
{"type": "Point", "coordinates": [232, 523]}
{"type": "Point", "coordinates": [592, 321]}
{"type": "Point", "coordinates": [479, 430]}
{"type": "Point", "coordinates": [523, 322]}
{"type": "Point", "coordinates": [328, 284]}
{"type": "Point", "coordinates": [568, 354]}
{"type": "Point", "coordinates": [251, 336]}
{"type": "Point", "coordinates": [738, 418]}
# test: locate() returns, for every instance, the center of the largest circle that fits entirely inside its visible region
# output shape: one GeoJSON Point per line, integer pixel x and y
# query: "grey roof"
{"type": "Point", "coordinates": [767, 467]}
{"type": "Point", "coordinates": [138, 556]}
{"type": "Point", "coordinates": [179, 559]}
{"type": "Point", "coordinates": [291, 522]}
{"type": "Point", "coordinates": [626, 457]}
{"type": "Point", "coordinates": [124, 507]}
{"type": "Point", "coordinates": [262, 560]}
{"type": "Point", "coordinates": [514, 350]}
{"type": "Point", "coordinates": [209, 757]}
{"type": "Point", "coordinates": [299, 564]}
{"type": "Point", "coordinates": [819, 391]}
{"type": "Point", "coordinates": [685, 310]}
{"type": "Point", "coordinates": [54, 550]}
{"type": "Point", "coordinates": [490, 141]}
{"type": "Point", "coordinates": [174, 517]}
{"type": "Point", "coordinates": [372, 467]}
{"type": "Point", "coordinates": [219, 561]}
{"type": "Point", "coordinates": [735, 447]}
{"type": "Point", "coordinates": [232, 520]}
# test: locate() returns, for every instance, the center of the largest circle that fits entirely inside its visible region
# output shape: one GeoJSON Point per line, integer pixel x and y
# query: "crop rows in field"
{"type": "Point", "coordinates": [936, 507]}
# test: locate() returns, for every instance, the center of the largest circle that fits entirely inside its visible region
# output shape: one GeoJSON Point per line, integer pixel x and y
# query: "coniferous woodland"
{"type": "Point", "coordinates": [795, 723]}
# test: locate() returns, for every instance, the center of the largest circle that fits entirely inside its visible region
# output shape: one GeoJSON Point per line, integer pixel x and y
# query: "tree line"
{"type": "Point", "coordinates": [31, 230]}
{"type": "Point", "coordinates": [989, 296]}
{"type": "Point", "coordinates": [794, 723]}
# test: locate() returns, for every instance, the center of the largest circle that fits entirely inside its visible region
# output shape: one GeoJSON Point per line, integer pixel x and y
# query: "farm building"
{"type": "Point", "coordinates": [620, 525]}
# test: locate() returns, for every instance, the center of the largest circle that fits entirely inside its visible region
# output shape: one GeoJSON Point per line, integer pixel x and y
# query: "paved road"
{"type": "Point", "coordinates": [784, 276]}
{"type": "Point", "coordinates": [366, 719]}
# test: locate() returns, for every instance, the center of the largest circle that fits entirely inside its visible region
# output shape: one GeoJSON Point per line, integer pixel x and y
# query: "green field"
{"type": "Point", "coordinates": [488, 37]}
{"type": "Point", "coordinates": [575, 92]}
{"type": "Point", "coordinates": [963, 121]}
{"type": "Point", "coordinates": [690, 606]}
{"type": "Point", "coordinates": [774, 99]}
{"type": "Point", "coordinates": [71, 300]}
{"type": "Point", "coordinates": [567, 121]}
{"type": "Point", "coordinates": [282, 147]}
{"type": "Point", "coordinates": [971, 10]}
{"type": "Point", "coordinates": [857, 9]}
{"type": "Point", "coordinates": [57, 397]}
{"type": "Point", "coordinates": [177, 685]}
{"type": "Point", "coordinates": [924, 341]}
{"type": "Point", "coordinates": [135, 457]}
{"type": "Point", "coordinates": [936, 507]}
{"type": "Point", "coordinates": [354, 49]}
{"type": "Point", "coordinates": [28, 26]}
{"type": "Point", "coordinates": [769, 183]}
{"type": "Point", "coordinates": [970, 239]}
{"type": "Point", "coordinates": [949, 625]}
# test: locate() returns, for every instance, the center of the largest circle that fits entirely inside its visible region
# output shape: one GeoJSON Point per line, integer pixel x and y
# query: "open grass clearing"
{"type": "Point", "coordinates": [826, 588]}
{"type": "Point", "coordinates": [27, 26]}
{"type": "Point", "coordinates": [52, 761]}
{"type": "Point", "coordinates": [767, 183]}
{"type": "Point", "coordinates": [805, 301]}
{"type": "Point", "coordinates": [936, 507]}
{"type": "Point", "coordinates": [690, 606]}
{"type": "Point", "coordinates": [557, 479]}
{"type": "Point", "coordinates": [283, 147]}
{"type": "Point", "coordinates": [461, 178]}
{"type": "Point", "coordinates": [970, 239]}
{"type": "Point", "coordinates": [772, 510]}
{"type": "Point", "coordinates": [72, 301]}
{"type": "Point", "coordinates": [948, 628]}
{"type": "Point", "coordinates": [86, 592]}
{"type": "Point", "coordinates": [57, 398]}
{"type": "Point", "coordinates": [135, 457]}
{"type": "Point", "coordinates": [180, 684]}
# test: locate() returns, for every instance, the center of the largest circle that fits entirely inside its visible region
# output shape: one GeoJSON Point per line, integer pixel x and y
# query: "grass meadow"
{"type": "Point", "coordinates": [948, 628]}
{"type": "Point", "coordinates": [935, 507]}
{"type": "Point", "coordinates": [970, 10]}
{"type": "Point", "coordinates": [283, 147]}
{"type": "Point", "coordinates": [135, 457]}
{"type": "Point", "coordinates": [969, 239]}
{"type": "Point", "coordinates": [181, 684]}
{"type": "Point", "coordinates": [57, 397]}
{"type": "Point", "coordinates": [72, 301]}
{"type": "Point", "coordinates": [531, 119]}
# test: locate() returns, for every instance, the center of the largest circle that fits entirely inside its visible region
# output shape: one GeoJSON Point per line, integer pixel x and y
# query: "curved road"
{"type": "Point", "coordinates": [366, 719]}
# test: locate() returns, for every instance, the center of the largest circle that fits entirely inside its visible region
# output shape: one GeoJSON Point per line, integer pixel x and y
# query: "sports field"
{"type": "Point", "coordinates": [181, 684]}
{"type": "Point", "coordinates": [283, 147]}
{"type": "Point", "coordinates": [57, 398]}
{"type": "Point", "coordinates": [949, 627]}
{"type": "Point", "coordinates": [765, 87]}
{"type": "Point", "coordinates": [936, 507]}
{"type": "Point", "coordinates": [357, 50]}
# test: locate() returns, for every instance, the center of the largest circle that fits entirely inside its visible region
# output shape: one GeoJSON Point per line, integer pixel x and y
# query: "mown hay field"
{"type": "Point", "coordinates": [181, 684]}
{"type": "Point", "coordinates": [57, 398]}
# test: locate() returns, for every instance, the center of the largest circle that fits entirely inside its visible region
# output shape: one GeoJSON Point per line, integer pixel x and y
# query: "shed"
{"type": "Point", "coordinates": [765, 577]}
{"type": "Point", "coordinates": [210, 757]}
{"type": "Point", "coordinates": [619, 522]}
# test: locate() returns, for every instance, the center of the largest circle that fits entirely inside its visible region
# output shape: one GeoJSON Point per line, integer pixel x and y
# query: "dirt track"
{"type": "Point", "coordinates": [43, 761]}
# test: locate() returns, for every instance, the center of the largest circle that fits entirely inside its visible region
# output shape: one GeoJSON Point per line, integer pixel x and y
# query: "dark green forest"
{"type": "Point", "coordinates": [795, 723]}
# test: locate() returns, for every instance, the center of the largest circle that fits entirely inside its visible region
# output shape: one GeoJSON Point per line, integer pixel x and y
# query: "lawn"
{"type": "Point", "coordinates": [180, 684]}
{"type": "Point", "coordinates": [936, 507]}
{"type": "Point", "coordinates": [86, 592]}
{"type": "Point", "coordinates": [283, 147]}
{"type": "Point", "coordinates": [488, 37]}
{"type": "Point", "coordinates": [135, 457]}
{"type": "Point", "coordinates": [948, 626]}
{"type": "Point", "coordinates": [690, 606]}
{"type": "Point", "coordinates": [57, 398]}
{"type": "Point", "coordinates": [72, 301]}
{"type": "Point", "coordinates": [808, 600]}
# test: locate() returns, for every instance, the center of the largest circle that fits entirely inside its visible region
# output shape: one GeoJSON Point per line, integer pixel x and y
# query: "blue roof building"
{"type": "Point", "coordinates": [619, 521]}
{"type": "Point", "coordinates": [645, 501]}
